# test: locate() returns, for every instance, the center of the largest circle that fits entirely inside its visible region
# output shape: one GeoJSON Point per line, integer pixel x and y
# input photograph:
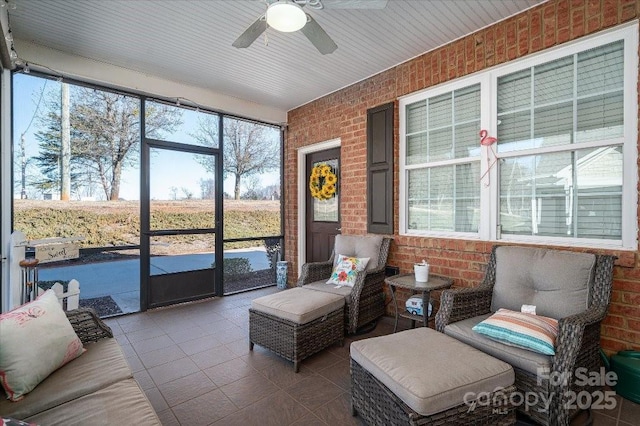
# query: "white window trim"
{"type": "Point", "coordinates": [488, 226]}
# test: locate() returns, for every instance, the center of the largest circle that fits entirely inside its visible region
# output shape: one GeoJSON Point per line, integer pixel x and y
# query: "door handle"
{"type": "Point", "coordinates": [339, 229]}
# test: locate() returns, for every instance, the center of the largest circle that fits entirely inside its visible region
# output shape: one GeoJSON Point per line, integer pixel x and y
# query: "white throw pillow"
{"type": "Point", "coordinates": [346, 270]}
{"type": "Point", "coordinates": [35, 340]}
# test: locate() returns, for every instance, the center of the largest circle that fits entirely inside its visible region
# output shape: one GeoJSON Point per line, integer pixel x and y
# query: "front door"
{"type": "Point", "coordinates": [322, 203]}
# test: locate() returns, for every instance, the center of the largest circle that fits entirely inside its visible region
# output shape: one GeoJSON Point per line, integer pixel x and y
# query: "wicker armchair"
{"type": "Point", "coordinates": [577, 344]}
{"type": "Point", "coordinates": [364, 302]}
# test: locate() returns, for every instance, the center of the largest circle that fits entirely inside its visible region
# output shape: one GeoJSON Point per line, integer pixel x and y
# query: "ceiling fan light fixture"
{"type": "Point", "coordinates": [286, 16]}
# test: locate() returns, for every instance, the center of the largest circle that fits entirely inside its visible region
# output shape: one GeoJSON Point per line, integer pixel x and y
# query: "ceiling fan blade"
{"type": "Point", "coordinates": [318, 37]}
{"type": "Point", "coordinates": [354, 4]}
{"type": "Point", "coordinates": [251, 33]}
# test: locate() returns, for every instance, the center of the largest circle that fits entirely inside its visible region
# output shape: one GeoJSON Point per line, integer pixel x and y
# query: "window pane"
{"type": "Point", "coordinates": [599, 194]}
{"type": "Point", "coordinates": [184, 202]}
{"type": "Point", "coordinates": [514, 91]}
{"type": "Point", "coordinates": [445, 198]}
{"type": "Point", "coordinates": [418, 203]}
{"type": "Point", "coordinates": [441, 198]}
{"type": "Point", "coordinates": [440, 111]}
{"type": "Point", "coordinates": [467, 200]}
{"type": "Point", "coordinates": [514, 132]}
{"type": "Point", "coordinates": [601, 69]}
{"type": "Point", "coordinates": [417, 149]}
{"type": "Point", "coordinates": [569, 194]}
{"type": "Point", "coordinates": [553, 81]}
{"type": "Point", "coordinates": [416, 117]}
{"type": "Point", "coordinates": [187, 126]}
{"type": "Point", "coordinates": [467, 103]}
{"type": "Point", "coordinates": [600, 117]}
{"type": "Point", "coordinates": [440, 144]}
{"type": "Point", "coordinates": [466, 140]}
{"type": "Point", "coordinates": [553, 125]}
{"type": "Point", "coordinates": [327, 210]}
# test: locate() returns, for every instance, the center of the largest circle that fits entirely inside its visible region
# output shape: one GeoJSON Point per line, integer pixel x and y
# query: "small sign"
{"type": "Point", "coordinates": [54, 252]}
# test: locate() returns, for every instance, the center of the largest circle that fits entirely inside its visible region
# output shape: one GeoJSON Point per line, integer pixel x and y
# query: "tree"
{"type": "Point", "coordinates": [105, 131]}
{"type": "Point", "coordinates": [248, 148]}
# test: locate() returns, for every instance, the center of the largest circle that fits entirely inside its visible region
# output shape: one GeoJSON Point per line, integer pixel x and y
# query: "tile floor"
{"type": "Point", "coordinates": [194, 364]}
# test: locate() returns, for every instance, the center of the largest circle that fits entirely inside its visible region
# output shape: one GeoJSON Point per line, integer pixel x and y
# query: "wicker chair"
{"type": "Point", "coordinates": [364, 302]}
{"type": "Point", "coordinates": [577, 344]}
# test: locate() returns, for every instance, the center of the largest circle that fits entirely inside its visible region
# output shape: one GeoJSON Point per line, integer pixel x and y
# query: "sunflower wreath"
{"type": "Point", "coordinates": [322, 182]}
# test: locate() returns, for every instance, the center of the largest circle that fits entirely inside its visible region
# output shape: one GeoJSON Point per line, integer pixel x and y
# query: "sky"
{"type": "Point", "coordinates": [169, 169]}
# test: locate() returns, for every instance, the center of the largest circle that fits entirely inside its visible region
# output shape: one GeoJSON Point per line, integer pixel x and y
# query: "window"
{"type": "Point", "coordinates": [563, 170]}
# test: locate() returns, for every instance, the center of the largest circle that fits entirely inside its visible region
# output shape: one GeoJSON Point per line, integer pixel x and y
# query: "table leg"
{"type": "Point", "coordinates": [395, 304]}
{"type": "Point", "coordinates": [426, 298]}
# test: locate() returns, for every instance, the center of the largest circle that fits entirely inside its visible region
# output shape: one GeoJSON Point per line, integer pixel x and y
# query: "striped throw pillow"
{"type": "Point", "coordinates": [527, 331]}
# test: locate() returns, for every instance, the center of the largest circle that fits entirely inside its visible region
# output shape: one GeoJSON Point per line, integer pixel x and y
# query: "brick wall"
{"type": "Point", "coordinates": [343, 115]}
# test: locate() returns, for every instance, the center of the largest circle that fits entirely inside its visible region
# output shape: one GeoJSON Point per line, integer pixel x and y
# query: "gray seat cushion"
{"type": "Point", "coordinates": [298, 305]}
{"type": "Point", "coordinates": [556, 282]}
{"type": "Point", "coordinates": [344, 291]}
{"type": "Point", "coordinates": [122, 403]}
{"type": "Point", "coordinates": [359, 246]}
{"type": "Point", "coordinates": [429, 371]}
{"type": "Point", "coordinates": [100, 366]}
{"type": "Point", "coordinates": [520, 358]}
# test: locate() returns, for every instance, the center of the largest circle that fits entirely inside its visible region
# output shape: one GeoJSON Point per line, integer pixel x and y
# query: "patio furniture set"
{"type": "Point", "coordinates": [497, 348]}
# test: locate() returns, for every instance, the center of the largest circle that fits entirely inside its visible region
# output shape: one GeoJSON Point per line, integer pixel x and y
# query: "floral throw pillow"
{"type": "Point", "coordinates": [35, 340]}
{"type": "Point", "coordinates": [346, 270]}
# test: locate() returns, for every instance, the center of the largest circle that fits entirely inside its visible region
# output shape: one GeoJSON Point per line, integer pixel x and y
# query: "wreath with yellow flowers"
{"type": "Point", "coordinates": [323, 182]}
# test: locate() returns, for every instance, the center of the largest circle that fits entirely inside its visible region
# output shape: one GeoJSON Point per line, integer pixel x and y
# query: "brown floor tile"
{"type": "Point", "coordinates": [190, 334]}
{"type": "Point", "coordinates": [147, 333]}
{"type": "Point", "coordinates": [200, 344]}
{"type": "Point", "coordinates": [156, 399]}
{"type": "Point", "coordinates": [309, 420]}
{"type": "Point", "coordinates": [161, 356]}
{"type": "Point", "coordinates": [339, 374]}
{"type": "Point", "coordinates": [135, 322]}
{"type": "Point", "coordinates": [186, 388]}
{"type": "Point", "coordinates": [211, 357]}
{"type": "Point", "coordinates": [239, 347]}
{"type": "Point", "coordinates": [152, 344]}
{"type": "Point", "coordinates": [134, 363]}
{"type": "Point", "coordinates": [314, 391]}
{"type": "Point", "coordinates": [229, 372]}
{"type": "Point", "coordinates": [230, 333]}
{"type": "Point", "coordinates": [250, 389]}
{"type": "Point", "coordinates": [172, 370]}
{"type": "Point", "coordinates": [601, 420]}
{"type": "Point", "coordinates": [275, 410]}
{"type": "Point", "coordinates": [338, 412]}
{"type": "Point", "coordinates": [321, 360]}
{"type": "Point", "coordinates": [144, 380]}
{"type": "Point", "coordinates": [205, 409]}
{"type": "Point", "coordinates": [261, 358]}
{"type": "Point", "coordinates": [167, 418]}
{"type": "Point", "coordinates": [282, 374]}
{"type": "Point", "coordinates": [629, 411]}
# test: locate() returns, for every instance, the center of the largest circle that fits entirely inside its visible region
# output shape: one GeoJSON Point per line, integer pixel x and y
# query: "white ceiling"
{"type": "Point", "coordinates": [190, 41]}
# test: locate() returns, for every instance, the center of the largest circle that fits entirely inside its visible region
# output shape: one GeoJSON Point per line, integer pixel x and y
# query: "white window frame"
{"type": "Point", "coordinates": [489, 204]}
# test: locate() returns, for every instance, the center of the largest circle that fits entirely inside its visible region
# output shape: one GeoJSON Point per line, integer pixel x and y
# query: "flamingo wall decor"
{"type": "Point", "coordinates": [488, 141]}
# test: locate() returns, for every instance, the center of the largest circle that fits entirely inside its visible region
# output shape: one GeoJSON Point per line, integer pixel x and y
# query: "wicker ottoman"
{"type": "Point", "coordinates": [422, 377]}
{"type": "Point", "coordinates": [296, 323]}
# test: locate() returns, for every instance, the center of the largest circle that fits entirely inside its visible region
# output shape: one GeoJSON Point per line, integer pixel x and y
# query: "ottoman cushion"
{"type": "Point", "coordinates": [298, 305]}
{"type": "Point", "coordinates": [429, 371]}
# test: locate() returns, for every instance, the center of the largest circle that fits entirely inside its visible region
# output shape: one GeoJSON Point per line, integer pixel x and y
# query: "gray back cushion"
{"type": "Point", "coordinates": [359, 246]}
{"type": "Point", "coordinates": [556, 282]}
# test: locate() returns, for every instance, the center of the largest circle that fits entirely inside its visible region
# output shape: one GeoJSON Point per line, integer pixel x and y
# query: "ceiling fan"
{"type": "Point", "coordinates": [288, 16]}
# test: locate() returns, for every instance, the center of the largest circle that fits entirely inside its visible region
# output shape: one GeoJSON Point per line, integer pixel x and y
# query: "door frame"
{"type": "Point", "coordinates": [302, 190]}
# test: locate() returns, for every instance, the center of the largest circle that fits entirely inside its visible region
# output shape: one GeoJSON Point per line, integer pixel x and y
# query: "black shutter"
{"type": "Point", "coordinates": [380, 169]}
